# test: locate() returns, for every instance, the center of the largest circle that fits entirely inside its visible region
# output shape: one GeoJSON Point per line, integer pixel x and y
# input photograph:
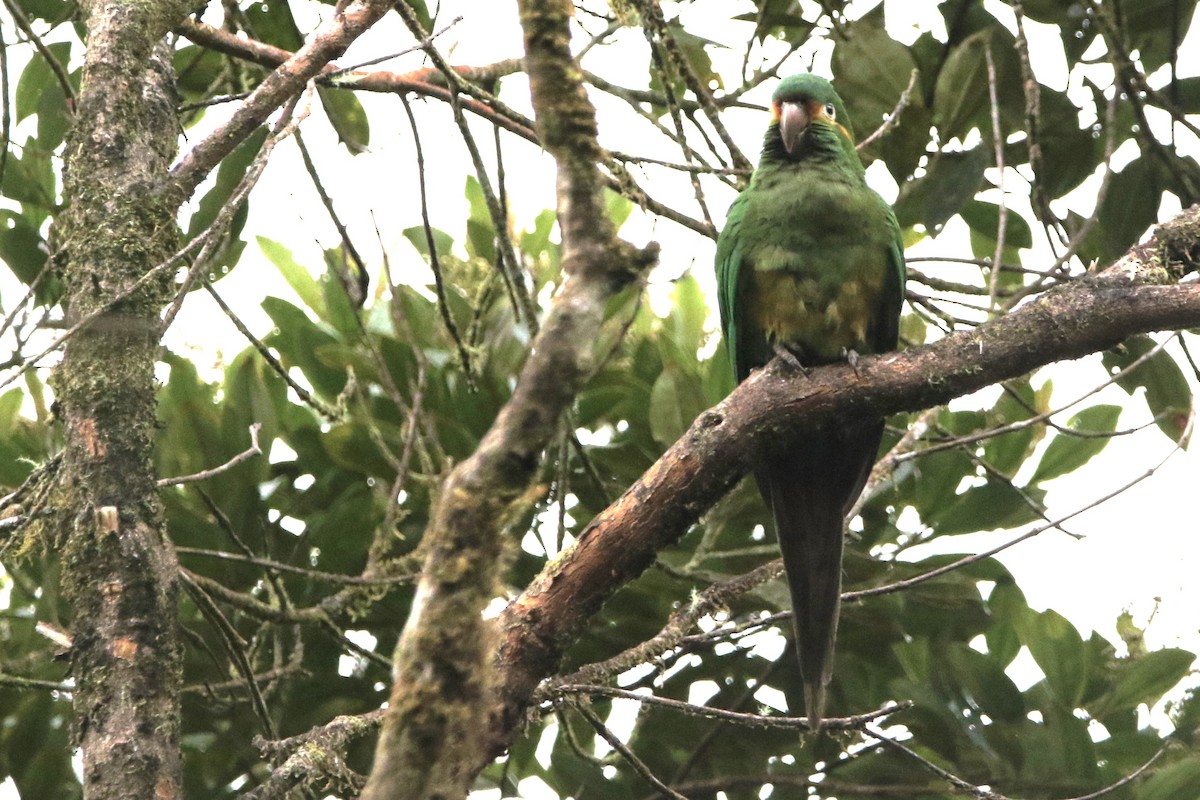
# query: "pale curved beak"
{"type": "Point", "coordinates": [793, 122]}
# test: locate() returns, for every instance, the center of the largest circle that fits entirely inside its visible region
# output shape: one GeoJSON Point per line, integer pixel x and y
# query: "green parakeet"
{"type": "Point", "coordinates": [810, 266]}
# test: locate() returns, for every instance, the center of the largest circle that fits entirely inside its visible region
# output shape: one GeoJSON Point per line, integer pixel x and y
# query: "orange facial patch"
{"type": "Point", "coordinates": [817, 110]}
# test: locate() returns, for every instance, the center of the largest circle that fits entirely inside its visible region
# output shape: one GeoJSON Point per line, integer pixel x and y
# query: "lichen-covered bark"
{"type": "Point", "coordinates": [119, 572]}
{"type": "Point", "coordinates": [433, 737]}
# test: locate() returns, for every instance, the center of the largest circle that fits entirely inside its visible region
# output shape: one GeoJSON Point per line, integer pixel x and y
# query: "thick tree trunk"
{"type": "Point", "coordinates": [119, 572]}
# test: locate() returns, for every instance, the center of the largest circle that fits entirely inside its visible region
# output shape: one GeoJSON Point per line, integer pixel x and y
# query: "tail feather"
{"type": "Point", "coordinates": [809, 489]}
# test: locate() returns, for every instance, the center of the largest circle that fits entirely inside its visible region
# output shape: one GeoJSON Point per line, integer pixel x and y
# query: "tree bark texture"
{"type": "Point", "coordinates": [119, 570]}
{"type": "Point", "coordinates": [434, 734]}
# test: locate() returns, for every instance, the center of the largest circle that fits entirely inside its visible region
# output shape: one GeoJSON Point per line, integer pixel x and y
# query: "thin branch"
{"type": "Point", "coordinates": [680, 622]}
{"type": "Point", "coordinates": [19, 682]}
{"type": "Point", "coordinates": [5, 112]}
{"type": "Point", "coordinates": [615, 743]}
{"type": "Point", "coordinates": [854, 722]}
{"type": "Point", "coordinates": [506, 254]}
{"type": "Point", "coordinates": [235, 646]}
{"type": "Point", "coordinates": [312, 755]}
{"type": "Point", "coordinates": [56, 67]}
{"type": "Point", "coordinates": [893, 119]}
{"type": "Point", "coordinates": [652, 18]}
{"type": "Point", "coordinates": [327, 202]}
{"type": "Point", "coordinates": [1128, 778]}
{"type": "Point", "coordinates": [464, 357]}
{"type": "Point", "coordinates": [966, 787]}
{"type": "Point", "coordinates": [1029, 421]}
{"type": "Point", "coordinates": [305, 396]}
{"type": "Point", "coordinates": [286, 81]}
{"type": "Point", "coordinates": [316, 575]}
{"type": "Point", "coordinates": [998, 146]}
{"type": "Point", "coordinates": [851, 597]}
{"type": "Point", "coordinates": [254, 450]}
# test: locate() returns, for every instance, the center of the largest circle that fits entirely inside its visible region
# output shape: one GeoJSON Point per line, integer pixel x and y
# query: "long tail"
{"type": "Point", "coordinates": [809, 490]}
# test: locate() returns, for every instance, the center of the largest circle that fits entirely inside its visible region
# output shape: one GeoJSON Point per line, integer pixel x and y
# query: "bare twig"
{"type": "Point", "coordinates": [998, 147]}
{"type": "Point", "coordinates": [245, 455]}
{"type": "Point", "coordinates": [855, 722]}
{"type": "Point", "coordinates": [285, 82]}
{"type": "Point", "coordinates": [435, 266]}
{"type": "Point", "coordinates": [306, 397]}
{"type": "Point", "coordinates": [893, 119]}
{"type": "Point", "coordinates": [615, 743]}
{"type": "Point", "coordinates": [316, 575]}
{"type": "Point", "coordinates": [56, 67]}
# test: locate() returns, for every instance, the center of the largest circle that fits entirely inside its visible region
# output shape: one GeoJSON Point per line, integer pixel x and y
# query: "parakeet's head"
{"type": "Point", "coordinates": [806, 104]}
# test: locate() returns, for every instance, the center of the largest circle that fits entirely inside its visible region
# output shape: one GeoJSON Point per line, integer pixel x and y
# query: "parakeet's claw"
{"type": "Point", "coordinates": [851, 357]}
{"type": "Point", "coordinates": [788, 357]}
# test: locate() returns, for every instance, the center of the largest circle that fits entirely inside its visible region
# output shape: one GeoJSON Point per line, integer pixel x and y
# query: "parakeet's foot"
{"type": "Point", "coordinates": [851, 357]}
{"type": "Point", "coordinates": [788, 357]}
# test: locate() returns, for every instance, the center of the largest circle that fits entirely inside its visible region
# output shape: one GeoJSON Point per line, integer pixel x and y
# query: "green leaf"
{"type": "Point", "coordinates": [348, 118]}
{"type": "Point", "coordinates": [1178, 781]}
{"type": "Point", "coordinates": [229, 175]}
{"type": "Point", "coordinates": [984, 218]}
{"type": "Point", "coordinates": [618, 207]}
{"type": "Point", "coordinates": [1058, 650]}
{"type": "Point", "coordinates": [871, 70]}
{"type": "Point", "coordinates": [197, 70]}
{"type": "Point", "coordinates": [297, 276]}
{"type": "Point", "coordinates": [55, 11]}
{"type": "Point", "coordinates": [1007, 453]}
{"type": "Point", "coordinates": [1147, 27]}
{"type": "Point", "coordinates": [984, 508]}
{"type": "Point", "coordinates": [1168, 395]}
{"type": "Point", "coordinates": [10, 404]}
{"type": "Point", "coordinates": [1067, 453]}
{"type": "Point", "coordinates": [688, 316]}
{"type": "Point", "coordinates": [38, 78]}
{"type": "Point", "coordinates": [695, 52]}
{"type": "Point", "coordinates": [1130, 206]}
{"type": "Point", "coordinates": [21, 247]}
{"type": "Point", "coordinates": [30, 180]}
{"type": "Point", "coordinates": [777, 18]}
{"type": "Point", "coordinates": [675, 401]}
{"type": "Point", "coordinates": [1069, 153]}
{"type": "Point", "coordinates": [983, 681]}
{"type": "Point", "coordinates": [338, 309]}
{"type": "Point", "coordinates": [960, 99]}
{"type": "Point", "coordinates": [1145, 680]}
{"type": "Point", "coordinates": [949, 183]}
{"type": "Point", "coordinates": [1187, 90]}
{"type": "Point", "coordinates": [272, 22]}
{"type": "Point", "coordinates": [298, 339]}
{"type": "Point", "coordinates": [481, 234]}
{"type": "Point", "coordinates": [40, 93]}
{"type": "Point", "coordinates": [441, 240]}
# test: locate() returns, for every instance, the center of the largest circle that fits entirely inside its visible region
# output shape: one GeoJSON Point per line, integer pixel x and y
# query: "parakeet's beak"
{"type": "Point", "coordinates": [793, 122]}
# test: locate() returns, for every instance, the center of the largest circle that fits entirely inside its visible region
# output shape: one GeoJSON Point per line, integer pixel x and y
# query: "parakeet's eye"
{"type": "Point", "coordinates": [830, 111]}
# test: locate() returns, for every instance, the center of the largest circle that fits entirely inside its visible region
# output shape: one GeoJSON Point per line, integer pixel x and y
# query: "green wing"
{"type": "Point", "coordinates": [729, 273]}
{"type": "Point", "coordinates": [892, 297]}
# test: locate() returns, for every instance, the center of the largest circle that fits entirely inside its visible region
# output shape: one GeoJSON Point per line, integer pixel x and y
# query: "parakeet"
{"type": "Point", "coordinates": [810, 266]}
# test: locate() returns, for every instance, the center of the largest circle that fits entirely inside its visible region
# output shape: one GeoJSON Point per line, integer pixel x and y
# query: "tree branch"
{"type": "Point", "coordinates": [1137, 294]}
{"type": "Point", "coordinates": [434, 733]}
{"type": "Point", "coordinates": [426, 82]}
{"type": "Point", "coordinates": [289, 78]}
